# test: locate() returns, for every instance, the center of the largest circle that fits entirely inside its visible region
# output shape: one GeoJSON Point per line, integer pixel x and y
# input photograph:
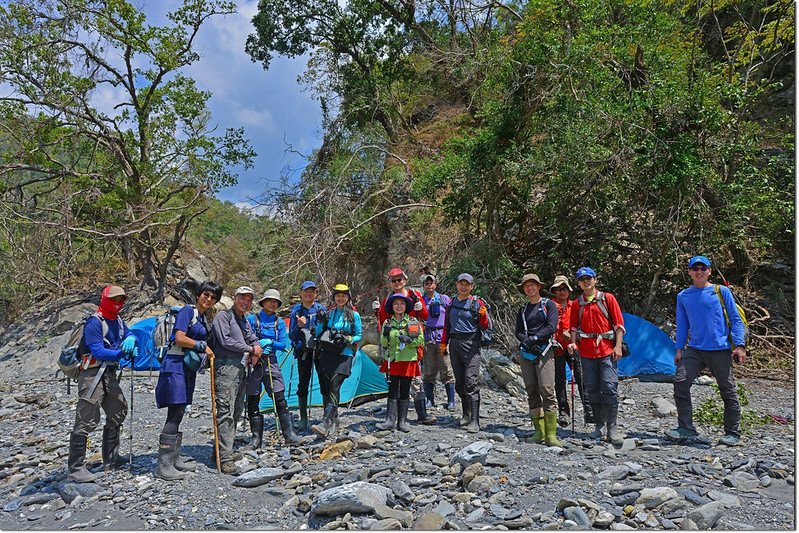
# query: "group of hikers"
{"type": "Point", "coordinates": [424, 336]}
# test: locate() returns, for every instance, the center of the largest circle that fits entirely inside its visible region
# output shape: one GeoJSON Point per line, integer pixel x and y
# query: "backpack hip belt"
{"type": "Point", "coordinates": [609, 335]}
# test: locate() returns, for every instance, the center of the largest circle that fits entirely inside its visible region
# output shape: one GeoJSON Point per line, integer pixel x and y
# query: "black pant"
{"type": "Point", "coordinates": [560, 380]}
{"type": "Point", "coordinates": [399, 386]}
{"type": "Point", "coordinates": [304, 369]}
{"type": "Point", "coordinates": [330, 387]}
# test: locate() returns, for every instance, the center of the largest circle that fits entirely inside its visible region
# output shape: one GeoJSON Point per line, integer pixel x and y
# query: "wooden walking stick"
{"type": "Point", "coordinates": [213, 418]}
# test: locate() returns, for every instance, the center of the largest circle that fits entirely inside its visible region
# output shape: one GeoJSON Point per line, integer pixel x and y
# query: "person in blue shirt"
{"type": "Point", "coordinates": [302, 325]}
{"type": "Point", "coordinates": [705, 339]}
{"type": "Point", "coordinates": [178, 375]}
{"type": "Point", "coordinates": [107, 340]}
{"type": "Point", "coordinates": [273, 338]}
{"type": "Point", "coordinates": [337, 334]}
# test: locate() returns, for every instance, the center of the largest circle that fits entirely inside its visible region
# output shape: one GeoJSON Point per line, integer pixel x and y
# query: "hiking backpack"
{"type": "Point", "coordinates": [738, 308]}
{"type": "Point", "coordinates": [486, 334]}
{"type": "Point", "coordinates": [70, 359]}
{"type": "Point", "coordinates": [164, 325]}
{"type": "Point", "coordinates": [603, 308]}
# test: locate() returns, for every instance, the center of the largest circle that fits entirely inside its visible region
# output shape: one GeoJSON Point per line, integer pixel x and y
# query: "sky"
{"type": "Point", "coordinates": [272, 107]}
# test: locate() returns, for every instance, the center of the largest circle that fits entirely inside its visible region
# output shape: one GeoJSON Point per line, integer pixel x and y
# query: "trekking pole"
{"type": "Point", "coordinates": [272, 390]}
{"type": "Point", "coordinates": [130, 425]}
{"type": "Point", "coordinates": [213, 419]}
{"type": "Point", "coordinates": [291, 376]}
{"type": "Point", "coordinates": [572, 406]}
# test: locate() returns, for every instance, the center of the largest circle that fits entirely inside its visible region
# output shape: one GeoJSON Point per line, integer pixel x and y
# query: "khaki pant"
{"type": "Point", "coordinates": [539, 380]}
{"type": "Point", "coordinates": [229, 388]}
{"type": "Point", "coordinates": [434, 364]}
{"type": "Point", "coordinates": [107, 395]}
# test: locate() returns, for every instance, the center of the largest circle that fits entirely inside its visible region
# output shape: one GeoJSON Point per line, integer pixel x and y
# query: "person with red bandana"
{"type": "Point", "coordinates": [107, 339]}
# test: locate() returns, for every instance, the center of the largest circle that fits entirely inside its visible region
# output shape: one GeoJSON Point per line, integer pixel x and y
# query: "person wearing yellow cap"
{"type": "Point", "coordinates": [338, 332]}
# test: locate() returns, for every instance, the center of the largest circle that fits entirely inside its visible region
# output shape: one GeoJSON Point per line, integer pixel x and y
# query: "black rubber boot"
{"type": "Point", "coordinates": [402, 415]}
{"type": "Point", "coordinates": [391, 416]}
{"type": "Point", "coordinates": [110, 449]}
{"type": "Point", "coordinates": [467, 411]}
{"type": "Point", "coordinates": [257, 428]}
{"type": "Point", "coordinates": [183, 463]}
{"type": "Point", "coordinates": [303, 424]}
{"type": "Point", "coordinates": [474, 423]}
{"type": "Point", "coordinates": [77, 455]}
{"type": "Point", "coordinates": [167, 452]}
{"type": "Point", "coordinates": [323, 429]}
{"type": "Point", "coordinates": [615, 436]}
{"type": "Point", "coordinates": [422, 416]}
{"type": "Point", "coordinates": [429, 393]}
{"type": "Point", "coordinates": [599, 419]}
{"type": "Point", "coordinates": [287, 426]}
{"type": "Point", "coordinates": [588, 413]}
{"type": "Point", "coordinates": [450, 396]}
{"type": "Point", "coordinates": [334, 422]}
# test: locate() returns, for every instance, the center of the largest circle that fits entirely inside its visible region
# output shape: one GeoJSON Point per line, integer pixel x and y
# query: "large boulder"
{"type": "Point", "coordinates": [357, 498]}
{"type": "Point", "coordinates": [506, 374]}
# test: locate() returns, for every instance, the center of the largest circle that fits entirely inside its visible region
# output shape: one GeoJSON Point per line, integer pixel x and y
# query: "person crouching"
{"type": "Point", "coordinates": [401, 337]}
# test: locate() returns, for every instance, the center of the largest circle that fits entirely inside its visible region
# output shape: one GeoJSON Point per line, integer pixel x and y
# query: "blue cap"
{"type": "Point", "coordinates": [698, 259]}
{"type": "Point", "coordinates": [585, 271]}
{"type": "Point", "coordinates": [465, 276]}
{"type": "Point", "coordinates": [307, 285]}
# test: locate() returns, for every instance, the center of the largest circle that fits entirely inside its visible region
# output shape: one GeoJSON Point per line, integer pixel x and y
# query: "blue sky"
{"type": "Point", "coordinates": [274, 109]}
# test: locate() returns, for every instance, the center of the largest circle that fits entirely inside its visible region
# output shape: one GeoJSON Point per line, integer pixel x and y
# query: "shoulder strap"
{"type": "Point", "coordinates": [600, 302]}
{"type": "Point", "coordinates": [717, 289]}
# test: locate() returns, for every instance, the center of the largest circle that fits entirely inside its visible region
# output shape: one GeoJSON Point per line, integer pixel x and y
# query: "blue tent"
{"type": "Point", "coordinates": [143, 330]}
{"type": "Point", "coordinates": [366, 383]}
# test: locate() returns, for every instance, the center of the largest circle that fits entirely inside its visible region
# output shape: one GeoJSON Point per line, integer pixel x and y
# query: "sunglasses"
{"type": "Point", "coordinates": [397, 280]}
{"type": "Point", "coordinates": [209, 295]}
{"type": "Point", "coordinates": [556, 289]}
{"type": "Point", "coordinates": [701, 268]}
{"type": "Point", "coordinates": [584, 278]}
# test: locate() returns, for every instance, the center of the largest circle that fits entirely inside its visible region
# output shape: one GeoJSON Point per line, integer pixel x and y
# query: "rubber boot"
{"type": "Point", "coordinates": [303, 423]}
{"type": "Point", "coordinates": [474, 423]}
{"type": "Point", "coordinates": [324, 428]}
{"type": "Point", "coordinates": [167, 452]}
{"type": "Point", "coordinates": [450, 396]}
{"type": "Point", "coordinates": [429, 392]}
{"type": "Point", "coordinates": [599, 418]}
{"type": "Point", "coordinates": [563, 419]}
{"type": "Point", "coordinates": [588, 413]}
{"type": "Point", "coordinates": [539, 435]}
{"type": "Point", "coordinates": [422, 416]}
{"type": "Point", "coordinates": [551, 428]}
{"type": "Point", "coordinates": [77, 454]}
{"type": "Point", "coordinates": [287, 426]}
{"type": "Point", "coordinates": [615, 436]}
{"type": "Point", "coordinates": [467, 411]}
{"type": "Point", "coordinates": [110, 449]}
{"type": "Point", "coordinates": [402, 414]}
{"type": "Point", "coordinates": [391, 416]}
{"type": "Point", "coordinates": [183, 463]}
{"type": "Point", "coordinates": [257, 428]}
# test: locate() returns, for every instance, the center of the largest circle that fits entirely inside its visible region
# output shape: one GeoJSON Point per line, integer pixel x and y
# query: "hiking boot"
{"type": "Point", "coordinates": [422, 416]}
{"type": "Point", "coordinates": [429, 393]}
{"type": "Point", "coordinates": [551, 429]}
{"type": "Point", "coordinates": [563, 419]}
{"type": "Point", "coordinates": [615, 436]}
{"type": "Point", "coordinates": [730, 439]}
{"type": "Point", "coordinates": [324, 428]}
{"type": "Point", "coordinates": [538, 424]}
{"type": "Point", "coordinates": [467, 411]}
{"type": "Point", "coordinates": [474, 424]}
{"type": "Point", "coordinates": [230, 468]}
{"type": "Point", "coordinates": [402, 415]}
{"type": "Point", "coordinates": [77, 454]}
{"type": "Point", "coordinates": [183, 462]}
{"type": "Point", "coordinates": [303, 423]}
{"type": "Point", "coordinates": [110, 449]}
{"type": "Point", "coordinates": [681, 435]}
{"type": "Point", "coordinates": [287, 427]}
{"type": "Point", "coordinates": [257, 428]}
{"type": "Point", "coordinates": [391, 416]}
{"type": "Point", "coordinates": [450, 396]}
{"type": "Point", "coordinates": [599, 419]}
{"type": "Point", "coordinates": [167, 452]}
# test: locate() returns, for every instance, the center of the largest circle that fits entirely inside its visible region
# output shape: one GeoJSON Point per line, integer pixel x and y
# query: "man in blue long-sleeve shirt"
{"type": "Point", "coordinates": [714, 344]}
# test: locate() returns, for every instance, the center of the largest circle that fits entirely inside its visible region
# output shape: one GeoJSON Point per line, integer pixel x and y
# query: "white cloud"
{"type": "Point", "coordinates": [254, 118]}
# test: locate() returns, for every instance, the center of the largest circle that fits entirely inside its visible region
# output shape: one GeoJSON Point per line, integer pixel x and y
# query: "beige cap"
{"type": "Point", "coordinates": [244, 290]}
{"type": "Point", "coordinates": [272, 294]}
{"type": "Point", "coordinates": [115, 290]}
{"type": "Point", "coordinates": [561, 280]}
{"type": "Point", "coordinates": [529, 277]}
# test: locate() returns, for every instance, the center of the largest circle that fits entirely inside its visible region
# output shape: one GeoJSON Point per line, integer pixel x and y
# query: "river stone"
{"type": "Point", "coordinates": [366, 441]}
{"type": "Point", "coordinates": [524, 522]}
{"type": "Point", "coordinates": [444, 508]}
{"type": "Point", "coordinates": [431, 521]}
{"type": "Point", "coordinates": [652, 497]}
{"type": "Point", "coordinates": [387, 524]}
{"type": "Point", "coordinates": [13, 505]}
{"type": "Point", "coordinates": [618, 473]}
{"type": "Point", "coordinates": [471, 472]}
{"type": "Point", "coordinates": [578, 516]}
{"type": "Point", "coordinates": [257, 477]}
{"type": "Point", "coordinates": [663, 407]}
{"type": "Point", "coordinates": [727, 499]}
{"type": "Point", "coordinates": [69, 490]}
{"type": "Point", "coordinates": [403, 517]}
{"type": "Point", "coordinates": [603, 519]}
{"type": "Point", "coordinates": [476, 452]}
{"type": "Point", "coordinates": [359, 497]}
{"type": "Point", "coordinates": [706, 516]}
{"type": "Point", "coordinates": [742, 481]}
{"type": "Point", "coordinates": [401, 490]}
{"type": "Point", "coordinates": [481, 484]}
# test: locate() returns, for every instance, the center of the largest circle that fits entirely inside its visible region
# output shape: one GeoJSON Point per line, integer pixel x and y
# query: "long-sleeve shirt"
{"type": "Point", "coordinates": [272, 327]}
{"type": "Point", "coordinates": [197, 331]}
{"type": "Point", "coordinates": [295, 332]}
{"type": "Point", "coordinates": [383, 313]}
{"type": "Point", "coordinates": [699, 313]}
{"type": "Point", "coordinates": [541, 319]}
{"type": "Point", "coordinates": [459, 318]}
{"type": "Point", "coordinates": [562, 334]}
{"type": "Point", "coordinates": [594, 322]}
{"type": "Point", "coordinates": [404, 357]}
{"type": "Point", "coordinates": [336, 321]}
{"type": "Point", "coordinates": [234, 335]}
{"type": "Point", "coordinates": [110, 348]}
{"type": "Point", "coordinates": [434, 326]}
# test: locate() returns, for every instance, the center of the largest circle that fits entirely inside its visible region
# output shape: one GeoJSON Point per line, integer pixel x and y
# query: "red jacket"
{"type": "Point", "coordinates": [594, 321]}
{"type": "Point", "coordinates": [421, 316]}
{"type": "Point", "coordinates": [562, 334]}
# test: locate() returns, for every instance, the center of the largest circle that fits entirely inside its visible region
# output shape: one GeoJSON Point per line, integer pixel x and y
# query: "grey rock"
{"type": "Point", "coordinates": [728, 500]}
{"type": "Point", "coordinates": [618, 488]}
{"type": "Point", "coordinates": [707, 516]}
{"type": "Point", "coordinates": [603, 519]}
{"type": "Point", "coordinates": [578, 516]}
{"type": "Point", "coordinates": [652, 497]}
{"type": "Point", "coordinates": [13, 505]}
{"type": "Point", "coordinates": [498, 511]}
{"type": "Point", "coordinates": [693, 497]}
{"type": "Point", "coordinates": [688, 525]}
{"type": "Point", "coordinates": [387, 524]}
{"type": "Point", "coordinates": [401, 490]}
{"type": "Point", "coordinates": [667, 524]}
{"type": "Point", "coordinates": [444, 508]}
{"type": "Point", "coordinates": [621, 526]}
{"type": "Point", "coordinates": [358, 497]}
{"type": "Point", "coordinates": [524, 522]}
{"type": "Point", "coordinates": [475, 515]}
{"type": "Point", "coordinates": [480, 484]}
{"type": "Point", "coordinates": [471, 472]}
{"type": "Point", "coordinates": [258, 477]}
{"type": "Point", "coordinates": [473, 453]}
{"type": "Point", "coordinates": [627, 498]}
{"type": "Point", "coordinates": [431, 521]}
{"type": "Point", "coordinates": [403, 517]}
{"type": "Point", "coordinates": [567, 502]}
{"type": "Point", "coordinates": [742, 481]}
{"type": "Point", "coordinates": [662, 407]}
{"type": "Point", "coordinates": [69, 491]}
{"type": "Point", "coordinates": [618, 473]}
{"type": "Point", "coordinates": [627, 446]}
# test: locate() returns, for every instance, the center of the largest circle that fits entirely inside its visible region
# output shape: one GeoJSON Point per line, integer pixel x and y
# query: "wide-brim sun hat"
{"type": "Point", "coordinates": [560, 280]}
{"type": "Point", "coordinates": [529, 277]}
{"type": "Point", "coordinates": [271, 294]}
{"type": "Point", "coordinates": [394, 297]}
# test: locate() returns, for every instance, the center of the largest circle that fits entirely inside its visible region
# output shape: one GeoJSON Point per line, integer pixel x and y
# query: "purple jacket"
{"type": "Point", "coordinates": [435, 324]}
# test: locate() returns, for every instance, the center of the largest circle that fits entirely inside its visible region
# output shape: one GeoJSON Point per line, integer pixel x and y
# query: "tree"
{"type": "Point", "coordinates": [104, 139]}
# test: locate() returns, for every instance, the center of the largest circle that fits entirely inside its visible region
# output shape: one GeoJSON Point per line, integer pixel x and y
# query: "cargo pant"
{"type": "Point", "coordinates": [600, 380]}
{"type": "Point", "coordinates": [434, 364]}
{"type": "Point", "coordinates": [539, 380]}
{"type": "Point", "coordinates": [229, 389]}
{"type": "Point", "coordinates": [464, 354]}
{"type": "Point", "coordinates": [107, 395]}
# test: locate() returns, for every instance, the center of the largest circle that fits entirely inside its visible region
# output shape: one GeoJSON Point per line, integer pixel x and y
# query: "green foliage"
{"type": "Point", "coordinates": [711, 411]}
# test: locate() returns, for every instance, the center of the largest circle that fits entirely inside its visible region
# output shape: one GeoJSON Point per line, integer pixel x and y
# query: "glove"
{"type": "Point", "coordinates": [443, 349]}
{"type": "Point", "coordinates": [265, 343]}
{"type": "Point", "coordinates": [386, 329]}
{"type": "Point", "coordinates": [482, 311]}
{"type": "Point", "coordinates": [135, 353]}
{"type": "Point", "coordinates": [404, 339]}
{"type": "Point", "coordinates": [200, 346]}
{"type": "Point", "coordinates": [417, 306]}
{"type": "Point", "coordinates": [129, 344]}
{"type": "Point", "coordinates": [375, 305]}
{"type": "Point", "coordinates": [321, 315]}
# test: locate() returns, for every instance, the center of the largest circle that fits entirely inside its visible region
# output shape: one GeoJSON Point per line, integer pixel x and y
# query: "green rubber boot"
{"type": "Point", "coordinates": [538, 424]}
{"type": "Point", "coordinates": [551, 428]}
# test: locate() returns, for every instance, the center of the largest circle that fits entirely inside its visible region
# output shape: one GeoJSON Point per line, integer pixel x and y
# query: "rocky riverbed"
{"type": "Point", "coordinates": [431, 478]}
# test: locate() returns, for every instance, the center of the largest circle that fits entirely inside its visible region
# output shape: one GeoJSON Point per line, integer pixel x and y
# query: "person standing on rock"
{"type": "Point", "coordinates": [400, 337]}
{"type": "Point", "coordinates": [235, 345]}
{"type": "Point", "coordinates": [338, 332]}
{"type": "Point", "coordinates": [273, 338]}
{"type": "Point", "coordinates": [398, 280]}
{"type": "Point", "coordinates": [301, 327]}
{"type": "Point", "coordinates": [708, 323]}
{"type": "Point", "coordinates": [465, 317]}
{"type": "Point", "coordinates": [435, 364]}
{"type": "Point", "coordinates": [561, 289]}
{"type": "Point", "coordinates": [178, 375]}
{"type": "Point", "coordinates": [597, 329]}
{"type": "Point", "coordinates": [536, 323]}
{"type": "Point", "coordinates": [107, 339]}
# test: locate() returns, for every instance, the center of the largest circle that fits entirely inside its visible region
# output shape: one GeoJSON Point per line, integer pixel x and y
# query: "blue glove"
{"type": "Point", "coordinates": [129, 344]}
{"type": "Point", "coordinates": [200, 346]}
{"type": "Point", "coordinates": [135, 353]}
{"type": "Point", "coordinates": [265, 343]}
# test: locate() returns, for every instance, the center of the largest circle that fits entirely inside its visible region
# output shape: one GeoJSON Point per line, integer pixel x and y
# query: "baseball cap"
{"type": "Point", "coordinates": [244, 290]}
{"type": "Point", "coordinates": [308, 285]}
{"type": "Point", "coordinates": [698, 259]}
{"type": "Point", "coordinates": [425, 277]}
{"type": "Point", "coordinates": [466, 277]}
{"type": "Point", "coordinates": [115, 290]}
{"type": "Point", "coordinates": [394, 272]}
{"type": "Point", "coordinates": [585, 271]}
